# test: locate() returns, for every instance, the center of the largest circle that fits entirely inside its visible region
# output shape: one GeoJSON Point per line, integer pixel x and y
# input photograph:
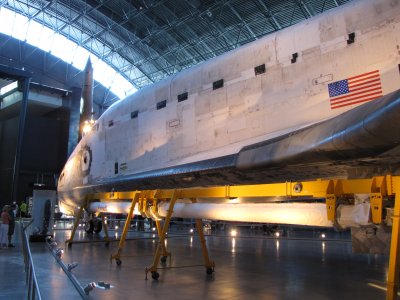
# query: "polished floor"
{"type": "Point", "coordinates": [248, 266]}
{"type": "Point", "coordinates": [12, 270]}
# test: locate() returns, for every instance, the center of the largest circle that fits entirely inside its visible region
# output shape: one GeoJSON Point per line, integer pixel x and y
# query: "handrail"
{"type": "Point", "coordinates": [82, 291]}
{"type": "Point", "coordinates": [30, 275]}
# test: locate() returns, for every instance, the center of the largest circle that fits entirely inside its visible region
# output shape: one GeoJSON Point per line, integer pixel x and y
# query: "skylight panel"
{"type": "Point", "coordinates": [34, 33]}
{"type": "Point", "coordinates": [63, 48]}
{"type": "Point", "coordinates": [80, 58]}
{"type": "Point", "coordinates": [46, 38]}
{"type": "Point", "coordinates": [6, 21]}
{"type": "Point", "coordinates": [122, 86]}
{"type": "Point", "coordinates": [20, 27]}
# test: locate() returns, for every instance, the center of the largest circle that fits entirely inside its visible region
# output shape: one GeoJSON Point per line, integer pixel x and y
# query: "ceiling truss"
{"type": "Point", "coordinates": [147, 41]}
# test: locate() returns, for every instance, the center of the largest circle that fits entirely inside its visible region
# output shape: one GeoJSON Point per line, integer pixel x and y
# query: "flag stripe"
{"type": "Point", "coordinates": [365, 74]}
{"type": "Point", "coordinates": [357, 89]}
{"type": "Point", "coordinates": [363, 79]}
{"type": "Point", "coordinates": [367, 82]}
{"type": "Point", "coordinates": [356, 94]}
{"type": "Point", "coordinates": [355, 102]}
{"type": "Point", "coordinates": [355, 98]}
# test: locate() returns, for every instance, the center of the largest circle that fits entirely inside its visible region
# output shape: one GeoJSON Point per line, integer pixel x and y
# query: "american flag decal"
{"type": "Point", "coordinates": [354, 90]}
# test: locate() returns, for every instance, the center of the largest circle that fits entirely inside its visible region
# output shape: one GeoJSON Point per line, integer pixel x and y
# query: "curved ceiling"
{"type": "Point", "coordinates": [148, 40]}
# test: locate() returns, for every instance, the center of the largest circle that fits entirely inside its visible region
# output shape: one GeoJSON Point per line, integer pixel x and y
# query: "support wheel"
{"type": "Point", "coordinates": [163, 259]}
{"type": "Point", "coordinates": [155, 275]}
{"type": "Point", "coordinates": [118, 261]}
{"type": "Point", "coordinates": [97, 225]}
{"type": "Point", "coordinates": [209, 271]}
{"type": "Point", "coordinates": [89, 225]}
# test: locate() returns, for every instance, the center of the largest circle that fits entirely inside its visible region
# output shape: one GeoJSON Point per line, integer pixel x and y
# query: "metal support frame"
{"type": "Point", "coordinates": [105, 228]}
{"type": "Point", "coordinates": [161, 242]}
{"type": "Point", "coordinates": [21, 131]}
{"type": "Point", "coordinates": [76, 223]}
{"type": "Point", "coordinates": [117, 256]}
{"type": "Point", "coordinates": [209, 264]}
{"type": "Point", "coordinates": [159, 227]}
{"type": "Point", "coordinates": [393, 272]}
{"type": "Point", "coordinates": [332, 190]}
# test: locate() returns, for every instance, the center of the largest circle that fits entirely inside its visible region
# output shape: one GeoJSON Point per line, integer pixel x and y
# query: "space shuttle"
{"type": "Point", "coordinates": [320, 99]}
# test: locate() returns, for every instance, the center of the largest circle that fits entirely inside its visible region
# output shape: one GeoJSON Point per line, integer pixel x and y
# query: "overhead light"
{"type": "Point", "coordinates": [87, 126]}
{"type": "Point", "coordinates": [233, 232]}
{"type": "Point", "coordinates": [191, 230]}
{"type": "Point", "coordinates": [277, 234]}
{"type": "Point", "coordinates": [233, 200]}
{"type": "Point", "coordinates": [323, 235]}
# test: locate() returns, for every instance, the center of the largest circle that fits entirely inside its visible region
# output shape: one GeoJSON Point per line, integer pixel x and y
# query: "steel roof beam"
{"type": "Point", "coordinates": [235, 12]}
{"type": "Point", "coordinates": [307, 11]}
{"type": "Point", "coordinates": [269, 15]}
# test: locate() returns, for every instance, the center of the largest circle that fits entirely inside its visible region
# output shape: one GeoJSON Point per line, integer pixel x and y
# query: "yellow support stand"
{"type": "Point", "coordinates": [376, 202]}
{"type": "Point", "coordinates": [378, 188]}
{"type": "Point", "coordinates": [161, 243]}
{"type": "Point", "coordinates": [331, 207]}
{"type": "Point", "coordinates": [117, 256]}
{"type": "Point", "coordinates": [209, 264]}
{"type": "Point", "coordinates": [393, 272]}
{"type": "Point", "coordinates": [76, 223]}
{"type": "Point", "coordinates": [165, 253]}
{"type": "Point", "coordinates": [105, 227]}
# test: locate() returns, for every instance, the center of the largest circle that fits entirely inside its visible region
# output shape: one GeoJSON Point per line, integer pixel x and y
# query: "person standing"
{"type": "Point", "coordinates": [11, 225]}
{"type": "Point", "coordinates": [24, 209]}
{"type": "Point", "coordinates": [14, 207]}
{"type": "Point", "coordinates": [5, 218]}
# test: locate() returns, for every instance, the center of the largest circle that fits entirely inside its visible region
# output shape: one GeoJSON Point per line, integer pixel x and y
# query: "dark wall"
{"type": "Point", "coordinates": [47, 138]}
{"type": "Point", "coordinates": [8, 142]}
{"type": "Point", "coordinates": [45, 142]}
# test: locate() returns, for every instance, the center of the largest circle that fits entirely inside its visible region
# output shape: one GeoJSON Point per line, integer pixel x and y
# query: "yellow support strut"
{"type": "Point", "coordinates": [209, 264]}
{"type": "Point", "coordinates": [161, 243]}
{"type": "Point", "coordinates": [393, 272]}
{"type": "Point", "coordinates": [76, 223]}
{"type": "Point", "coordinates": [107, 238]}
{"type": "Point", "coordinates": [117, 256]}
{"type": "Point", "coordinates": [165, 253]}
{"type": "Point", "coordinates": [378, 188]}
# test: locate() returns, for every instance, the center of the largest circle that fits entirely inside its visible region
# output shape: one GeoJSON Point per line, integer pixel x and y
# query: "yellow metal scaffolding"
{"type": "Point", "coordinates": [379, 188]}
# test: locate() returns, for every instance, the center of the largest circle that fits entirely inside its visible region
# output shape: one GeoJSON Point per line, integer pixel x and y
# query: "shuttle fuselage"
{"type": "Point", "coordinates": [290, 105]}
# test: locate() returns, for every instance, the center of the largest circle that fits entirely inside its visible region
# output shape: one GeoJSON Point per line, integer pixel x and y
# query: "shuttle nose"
{"type": "Point", "coordinates": [61, 179]}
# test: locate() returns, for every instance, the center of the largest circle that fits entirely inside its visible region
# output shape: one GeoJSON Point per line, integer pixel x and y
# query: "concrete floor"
{"type": "Point", "coordinates": [249, 266]}
{"type": "Point", "coordinates": [12, 270]}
